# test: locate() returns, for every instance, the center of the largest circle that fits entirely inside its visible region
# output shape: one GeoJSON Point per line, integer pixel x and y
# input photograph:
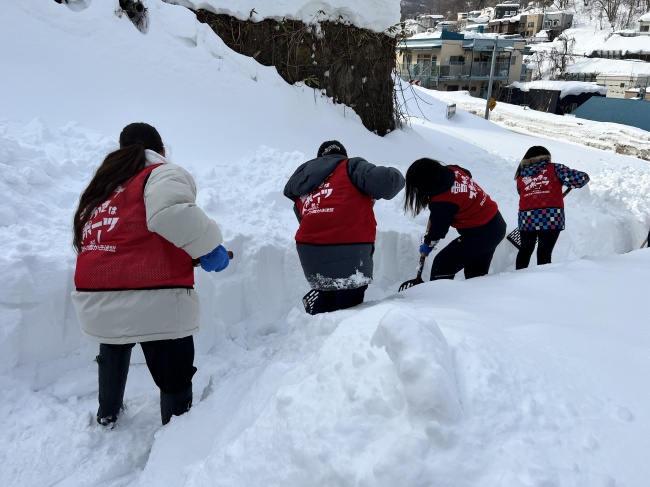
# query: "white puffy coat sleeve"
{"type": "Point", "coordinates": [170, 201]}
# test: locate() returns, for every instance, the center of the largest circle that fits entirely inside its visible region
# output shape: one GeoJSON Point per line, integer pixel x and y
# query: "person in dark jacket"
{"type": "Point", "coordinates": [541, 203]}
{"type": "Point", "coordinates": [454, 200]}
{"type": "Point", "coordinates": [334, 197]}
{"type": "Point", "coordinates": [136, 231]}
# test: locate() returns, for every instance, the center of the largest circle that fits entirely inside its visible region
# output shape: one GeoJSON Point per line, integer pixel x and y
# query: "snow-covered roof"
{"type": "Point", "coordinates": [532, 11]}
{"type": "Point", "coordinates": [610, 67]}
{"type": "Point", "coordinates": [586, 43]}
{"type": "Point", "coordinates": [645, 18]}
{"type": "Point", "coordinates": [506, 20]}
{"type": "Point", "coordinates": [564, 87]}
{"type": "Point", "coordinates": [411, 22]}
{"type": "Point", "coordinates": [426, 35]}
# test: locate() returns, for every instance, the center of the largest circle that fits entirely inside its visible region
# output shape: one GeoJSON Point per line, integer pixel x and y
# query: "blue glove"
{"type": "Point", "coordinates": [426, 248]}
{"type": "Point", "coordinates": [216, 261]}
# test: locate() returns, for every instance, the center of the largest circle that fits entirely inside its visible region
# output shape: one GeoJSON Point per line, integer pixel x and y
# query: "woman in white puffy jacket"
{"type": "Point", "coordinates": [137, 232]}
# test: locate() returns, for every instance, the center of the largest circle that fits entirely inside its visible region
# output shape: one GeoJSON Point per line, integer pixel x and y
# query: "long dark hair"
{"type": "Point", "coordinates": [117, 168]}
{"type": "Point", "coordinates": [420, 178]}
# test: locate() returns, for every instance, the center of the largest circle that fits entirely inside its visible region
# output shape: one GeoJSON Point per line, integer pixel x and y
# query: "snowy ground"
{"type": "Point", "coordinates": [528, 378]}
{"type": "Point", "coordinates": [623, 139]}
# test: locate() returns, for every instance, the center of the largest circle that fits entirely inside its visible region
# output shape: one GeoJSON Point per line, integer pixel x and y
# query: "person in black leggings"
{"type": "Point", "coordinates": [454, 200]}
{"type": "Point", "coordinates": [547, 240]}
{"type": "Point", "coordinates": [541, 203]}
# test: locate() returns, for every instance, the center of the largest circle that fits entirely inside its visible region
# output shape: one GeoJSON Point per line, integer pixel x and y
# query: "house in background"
{"type": "Point", "coordinates": [505, 10]}
{"type": "Point", "coordinates": [413, 27]}
{"type": "Point", "coordinates": [638, 93]}
{"type": "Point", "coordinates": [530, 24]}
{"type": "Point", "coordinates": [644, 23]}
{"type": "Point", "coordinates": [449, 25]}
{"type": "Point", "coordinates": [471, 18]}
{"type": "Point", "coordinates": [429, 21]}
{"type": "Point", "coordinates": [617, 85]}
{"type": "Point", "coordinates": [505, 19]}
{"type": "Point", "coordinates": [505, 25]}
{"type": "Point", "coordinates": [556, 22]}
{"type": "Point", "coordinates": [453, 62]}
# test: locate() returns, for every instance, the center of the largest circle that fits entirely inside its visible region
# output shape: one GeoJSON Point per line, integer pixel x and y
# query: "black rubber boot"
{"type": "Point", "coordinates": [113, 369]}
{"type": "Point", "coordinates": [174, 404]}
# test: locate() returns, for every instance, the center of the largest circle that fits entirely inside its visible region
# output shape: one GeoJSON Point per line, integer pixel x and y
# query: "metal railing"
{"type": "Point", "coordinates": [430, 75]}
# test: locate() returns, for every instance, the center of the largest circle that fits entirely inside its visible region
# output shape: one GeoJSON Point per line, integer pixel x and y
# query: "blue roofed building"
{"type": "Point", "coordinates": [633, 112]}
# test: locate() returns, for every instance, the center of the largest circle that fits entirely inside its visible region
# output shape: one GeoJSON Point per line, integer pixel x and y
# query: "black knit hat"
{"type": "Point", "coordinates": [141, 133]}
{"type": "Point", "coordinates": [331, 147]}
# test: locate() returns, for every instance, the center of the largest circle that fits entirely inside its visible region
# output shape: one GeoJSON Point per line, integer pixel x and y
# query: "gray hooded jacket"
{"type": "Point", "coordinates": [340, 266]}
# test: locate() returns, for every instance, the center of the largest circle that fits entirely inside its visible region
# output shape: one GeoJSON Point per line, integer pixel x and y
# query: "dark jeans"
{"type": "Point", "coordinates": [547, 240]}
{"type": "Point", "coordinates": [471, 252]}
{"type": "Point", "coordinates": [328, 301]}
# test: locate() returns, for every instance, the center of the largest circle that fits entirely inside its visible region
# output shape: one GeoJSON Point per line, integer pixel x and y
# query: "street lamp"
{"type": "Point", "coordinates": [495, 51]}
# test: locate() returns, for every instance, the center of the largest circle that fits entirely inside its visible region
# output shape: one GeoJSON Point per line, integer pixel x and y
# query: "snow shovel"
{"type": "Point", "coordinates": [514, 237]}
{"type": "Point", "coordinates": [418, 278]}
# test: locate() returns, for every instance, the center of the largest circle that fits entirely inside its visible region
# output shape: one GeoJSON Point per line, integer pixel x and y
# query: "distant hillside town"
{"type": "Point", "coordinates": [496, 51]}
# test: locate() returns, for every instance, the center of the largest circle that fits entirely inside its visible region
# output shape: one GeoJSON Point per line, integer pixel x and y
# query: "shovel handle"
{"type": "Point", "coordinates": [423, 257]}
{"type": "Point", "coordinates": [197, 262]}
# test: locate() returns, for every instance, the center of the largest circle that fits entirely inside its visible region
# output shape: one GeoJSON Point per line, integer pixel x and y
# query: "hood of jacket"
{"type": "Point", "coordinates": [311, 175]}
{"type": "Point", "coordinates": [153, 157]}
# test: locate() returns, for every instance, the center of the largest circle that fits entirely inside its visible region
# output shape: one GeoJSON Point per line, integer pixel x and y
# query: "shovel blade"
{"type": "Point", "coordinates": [411, 283]}
{"type": "Point", "coordinates": [514, 238]}
{"type": "Point", "coordinates": [309, 299]}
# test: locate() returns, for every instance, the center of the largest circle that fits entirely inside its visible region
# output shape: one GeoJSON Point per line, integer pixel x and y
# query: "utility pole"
{"type": "Point", "coordinates": [489, 92]}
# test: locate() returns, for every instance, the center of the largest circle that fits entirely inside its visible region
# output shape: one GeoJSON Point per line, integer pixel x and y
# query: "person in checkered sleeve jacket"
{"type": "Point", "coordinates": [541, 205]}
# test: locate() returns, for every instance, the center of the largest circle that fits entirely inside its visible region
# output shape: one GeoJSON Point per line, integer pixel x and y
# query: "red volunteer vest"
{"type": "Point", "coordinates": [336, 212]}
{"type": "Point", "coordinates": [475, 207]}
{"type": "Point", "coordinates": [118, 251]}
{"type": "Point", "coordinates": [543, 190]}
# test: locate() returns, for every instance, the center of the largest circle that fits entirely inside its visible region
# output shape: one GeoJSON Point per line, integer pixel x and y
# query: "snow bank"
{"type": "Point", "coordinates": [376, 15]}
